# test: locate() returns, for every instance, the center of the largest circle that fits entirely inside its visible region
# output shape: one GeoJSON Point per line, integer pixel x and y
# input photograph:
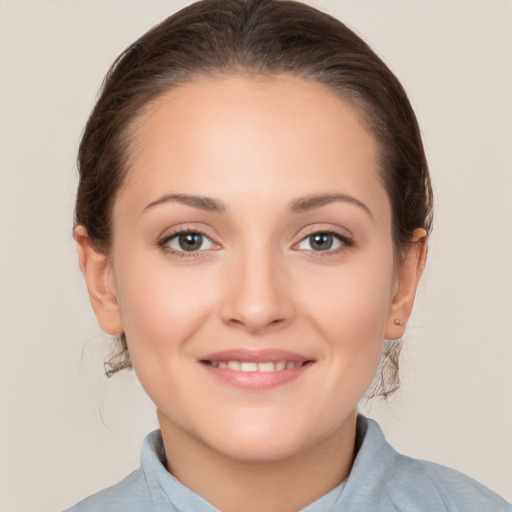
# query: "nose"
{"type": "Point", "coordinates": [258, 298]}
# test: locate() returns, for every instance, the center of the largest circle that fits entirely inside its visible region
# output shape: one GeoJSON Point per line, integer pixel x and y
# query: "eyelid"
{"type": "Point", "coordinates": [321, 227]}
{"type": "Point", "coordinates": [343, 235]}
{"type": "Point", "coordinates": [163, 242]}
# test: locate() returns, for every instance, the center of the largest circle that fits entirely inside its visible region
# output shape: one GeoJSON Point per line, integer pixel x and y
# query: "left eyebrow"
{"type": "Point", "coordinates": [307, 203]}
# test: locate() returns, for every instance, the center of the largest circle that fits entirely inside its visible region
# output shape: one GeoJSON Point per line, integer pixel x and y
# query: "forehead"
{"type": "Point", "coordinates": [247, 133]}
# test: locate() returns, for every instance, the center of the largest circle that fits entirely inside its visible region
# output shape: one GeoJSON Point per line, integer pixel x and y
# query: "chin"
{"type": "Point", "coordinates": [266, 439]}
{"type": "Point", "coordinates": [261, 448]}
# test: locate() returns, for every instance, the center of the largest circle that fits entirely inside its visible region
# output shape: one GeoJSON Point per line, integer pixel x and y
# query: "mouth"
{"type": "Point", "coordinates": [251, 366]}
{"type": "Point", "coordinates": [256, 370]}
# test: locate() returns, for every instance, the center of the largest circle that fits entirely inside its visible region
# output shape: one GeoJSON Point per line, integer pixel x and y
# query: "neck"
{"type": "Point", "coordinates": [233, 485]}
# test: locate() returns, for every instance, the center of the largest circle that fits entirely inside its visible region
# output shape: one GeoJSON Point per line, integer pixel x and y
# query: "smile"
{"type": "Point", "coordinates": [251, 366]}
{"type": "Point", "coordinates": [256, 370]}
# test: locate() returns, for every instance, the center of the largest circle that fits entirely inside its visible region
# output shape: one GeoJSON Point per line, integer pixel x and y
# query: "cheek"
{"type": "Point", "coordinates": [349, 308]}
{"type": "Point", "coordinates": [162, 308]}
{"type": "Point", "coordinates": [354, 299]}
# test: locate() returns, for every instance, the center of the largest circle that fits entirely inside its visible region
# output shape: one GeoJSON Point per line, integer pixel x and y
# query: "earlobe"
{"type": "Point", "coordinates": [98, 273]}
{"type": "Point", "coordinates": [407, 279]}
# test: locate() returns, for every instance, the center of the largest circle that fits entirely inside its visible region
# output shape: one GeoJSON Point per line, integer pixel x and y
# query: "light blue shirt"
{"type": "Point", "coordinates": [381, 480]}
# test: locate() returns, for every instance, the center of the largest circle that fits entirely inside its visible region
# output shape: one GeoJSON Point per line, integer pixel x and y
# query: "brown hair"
{"type": "Point", "coordinates": [260, 37]}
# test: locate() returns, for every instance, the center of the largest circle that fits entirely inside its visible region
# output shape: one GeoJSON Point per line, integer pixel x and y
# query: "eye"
{"type": "Point", "coordinates": [323, 241]}
{"type": "Point", "coordinates": [187, 241]}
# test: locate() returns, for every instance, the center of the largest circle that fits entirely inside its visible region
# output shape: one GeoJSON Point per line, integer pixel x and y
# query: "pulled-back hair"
{"type": "Point", "coordinates": [254, 37]}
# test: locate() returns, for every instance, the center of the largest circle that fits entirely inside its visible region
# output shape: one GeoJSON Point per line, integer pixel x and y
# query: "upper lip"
{"type": "Point", "coordinates": [255, 356]}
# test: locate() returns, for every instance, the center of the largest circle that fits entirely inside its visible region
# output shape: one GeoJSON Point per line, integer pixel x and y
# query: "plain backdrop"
{"type": "Point", "coordinates": [65, 430]}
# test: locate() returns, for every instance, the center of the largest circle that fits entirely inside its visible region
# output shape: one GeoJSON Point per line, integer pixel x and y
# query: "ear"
{"type": "Point", "coordinates": [97, 270]}
{"type": "Point", "coordinates": [408, 275]}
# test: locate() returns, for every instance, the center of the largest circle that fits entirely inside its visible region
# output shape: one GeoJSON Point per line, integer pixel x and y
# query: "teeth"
{"type": "Point", "coordinates": [250, 366]}
{"type": "Point", "coordinates": [266, 367]}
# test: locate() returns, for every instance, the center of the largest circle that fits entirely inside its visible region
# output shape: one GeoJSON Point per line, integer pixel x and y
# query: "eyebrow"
{"type": "Point", "coordinates": [307, 203]}
{"type": "Point", "coordinates": [201, 202]}
{"type": "Point", "coordinates": [299, 205]}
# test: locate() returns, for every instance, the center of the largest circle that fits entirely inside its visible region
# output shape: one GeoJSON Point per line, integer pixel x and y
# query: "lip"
{"type": "Point", "coordinates": [255, 356]}
{"type": "Point", "coordinates": [256, 380]}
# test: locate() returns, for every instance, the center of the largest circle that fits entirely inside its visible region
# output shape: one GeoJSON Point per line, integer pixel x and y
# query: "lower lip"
{"type": "Point", "coordinates": [257, 381]}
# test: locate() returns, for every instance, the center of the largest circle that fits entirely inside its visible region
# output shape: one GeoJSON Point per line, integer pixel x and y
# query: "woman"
{"type": "Point", "coordinates": [252, 222]}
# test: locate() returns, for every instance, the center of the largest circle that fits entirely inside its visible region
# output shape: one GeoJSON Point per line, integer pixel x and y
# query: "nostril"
{"type": "Point", "coordinates": [256, 302]}
{"type": "Point", "coordinates": [254, 324]}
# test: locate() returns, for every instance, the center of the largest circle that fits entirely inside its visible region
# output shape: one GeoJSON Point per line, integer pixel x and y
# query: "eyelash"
{"type": "Point", "coordinates": [345, 241]}
{"type": "Point", "coordinates": [164, 243]}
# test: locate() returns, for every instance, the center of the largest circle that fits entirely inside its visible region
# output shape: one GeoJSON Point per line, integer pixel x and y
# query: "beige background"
{"type": "Point", "coordinates": [65, 430]}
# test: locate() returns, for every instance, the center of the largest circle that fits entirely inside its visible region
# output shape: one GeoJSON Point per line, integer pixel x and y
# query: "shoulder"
{"type": "Point", "coordinates": [140, 490]}
{"type": "Point", "coordinates": [416, 485]}
{"type": "Point", "coordinates": [413, 482]}
{"type": "Point", "coordinates": [129, 494]}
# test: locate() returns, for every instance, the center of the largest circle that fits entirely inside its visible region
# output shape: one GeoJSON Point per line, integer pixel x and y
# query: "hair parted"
{"type": "Point", "coordinates": [254, 37]}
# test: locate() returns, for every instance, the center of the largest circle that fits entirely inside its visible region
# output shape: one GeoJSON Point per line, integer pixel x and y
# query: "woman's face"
{"type": "Point", "coordinates": [252, 264]}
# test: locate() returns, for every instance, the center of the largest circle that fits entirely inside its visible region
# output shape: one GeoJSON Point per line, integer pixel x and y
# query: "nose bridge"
{"type": "Point", "coordinates": [257, 298]}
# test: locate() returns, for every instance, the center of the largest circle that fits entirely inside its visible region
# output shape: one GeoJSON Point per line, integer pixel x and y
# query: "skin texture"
{"type": "Point", "coordinates": [254, 146]}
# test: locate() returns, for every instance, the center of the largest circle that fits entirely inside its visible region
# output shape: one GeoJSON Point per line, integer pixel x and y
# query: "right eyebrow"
{"type": "Point", "coordinates": [201, 202]}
